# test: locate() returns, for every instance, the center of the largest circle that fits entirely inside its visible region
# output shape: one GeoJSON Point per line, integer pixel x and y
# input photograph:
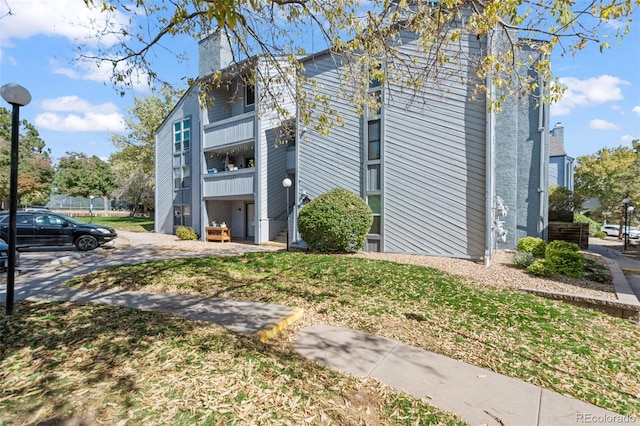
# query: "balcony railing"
{"type": "Point", "coordinates": [231, 183]}
{"type": "Point", "coordinates": [230, 131]}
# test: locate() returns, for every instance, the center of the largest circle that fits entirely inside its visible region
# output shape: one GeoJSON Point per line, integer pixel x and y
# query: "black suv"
{"type": "Point", "coordinates": [45, 228]}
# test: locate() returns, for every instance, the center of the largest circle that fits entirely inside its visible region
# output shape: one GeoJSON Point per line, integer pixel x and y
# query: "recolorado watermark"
{"type": "Point", "coordinates": [605, 419]}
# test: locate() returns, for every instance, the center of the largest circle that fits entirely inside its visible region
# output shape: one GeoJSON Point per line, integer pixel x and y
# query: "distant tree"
{"type": "Point", "coordinates": [562, 203]}
{"type": "Point", "coordinates": [78, 175]}
{"type": "Point", "coordinates": [609, 176]}
{"type": "Point", "coordinates": [133, 163]}
{"type": "Point", "coordinates": [35, 171]}
{"type": "Point", "coordinates": [137, 191]}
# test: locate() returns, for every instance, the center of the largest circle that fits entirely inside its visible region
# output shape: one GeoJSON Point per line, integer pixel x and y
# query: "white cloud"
{"type": "Point", "coordinates": [81, 116]}
{"type": "Point", "coordinates": [76, 103]}
{"type": "Point", "coordinates": [627, 139]}
{"type": "Point", "coordinates": [588, 92]}
{"type": "Point", "coordinates": [85, 69]}
{"type": "Point", "coordinates": [636, 109]}
{"type": "Point", "coordinates": [71, 19]}
{"type": "Point", "coordinates": [599, 124]}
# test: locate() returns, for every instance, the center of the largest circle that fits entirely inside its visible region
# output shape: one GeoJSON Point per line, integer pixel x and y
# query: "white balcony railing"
{"type": "Point", "coordinates": [230, 131]}
{"type": "Point", "coordinates": [231, 183]}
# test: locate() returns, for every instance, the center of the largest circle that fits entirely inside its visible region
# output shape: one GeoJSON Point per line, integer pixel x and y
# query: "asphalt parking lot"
{"type": "Point", "coordinates": [41, 259]}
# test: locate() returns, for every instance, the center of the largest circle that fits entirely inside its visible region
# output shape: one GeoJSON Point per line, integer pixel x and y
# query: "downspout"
{"type": "Point", "coordinates": [296, 177]}
{"type": "Point", "coordinates": [542, 190]}
{"type": "Point", "coordinates": [257, 143]}
{"type": "Point", "coordinates": [489, 169]}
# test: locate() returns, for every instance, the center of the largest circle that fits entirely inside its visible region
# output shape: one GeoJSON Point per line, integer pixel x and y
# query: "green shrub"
{"type": "Point", "coordinates": [337, 220]}
{"type": "Point", "coordinates": [594, 226]}
{"type": "Point", "coordinates": [600, 234]}
{"type": "Point", "coordinates": [534, 245]}
{"type": "Point", "coordinates": [559, 245]}
{"type": "Point", "coordinates": [541, 268]}
{"type": "Point", "coordinates": [566, 259]}
{"type": "Point", "coordinates": [186, 233]}
{"type": "Point", "coordinates": [523, 259]}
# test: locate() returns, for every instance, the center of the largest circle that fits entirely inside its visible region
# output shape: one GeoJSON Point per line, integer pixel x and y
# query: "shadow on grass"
{"type": "Point", "coordinates": [53, 355]}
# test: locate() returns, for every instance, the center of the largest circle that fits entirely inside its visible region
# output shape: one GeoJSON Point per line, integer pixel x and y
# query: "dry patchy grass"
{"type": "Point", "coordinates": [64, 363]}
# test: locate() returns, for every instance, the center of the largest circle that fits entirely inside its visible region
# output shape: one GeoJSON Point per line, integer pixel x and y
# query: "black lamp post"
{"type": "Point", "coordinates": [625, 228]}
{"type": "Point", "coordinates": [287, 184]}
{"type": "Point", "coordinates": [17, 96]}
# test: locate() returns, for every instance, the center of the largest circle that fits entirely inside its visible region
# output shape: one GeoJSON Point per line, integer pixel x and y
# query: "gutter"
{"type": "Point", "coordinates": [542, 187]}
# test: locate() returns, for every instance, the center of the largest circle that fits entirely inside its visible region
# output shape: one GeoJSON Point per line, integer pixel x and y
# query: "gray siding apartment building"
{"type": "Point", "coordinates": [442, 175]}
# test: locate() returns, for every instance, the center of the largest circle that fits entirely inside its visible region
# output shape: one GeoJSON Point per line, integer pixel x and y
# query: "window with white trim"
{"type": "Point", "coordinates": [373, 167]}
{"type": "Point", "coordinates": [249, 95]}
{"type": "Point", "coordinates": [182, 135]}
{"type": "Point", "coordinates": [181, 177]}
{"type": "Point", "coordinates": [181, 215]}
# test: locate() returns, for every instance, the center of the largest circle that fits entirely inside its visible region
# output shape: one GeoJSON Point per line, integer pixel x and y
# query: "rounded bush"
{"type": "Point", "coordinates": [541, 268]}
{"type": "Point", "coordinates": [186, 233]}
{"type": "Point", "coordinates": [559, 245]}
{"type": "Point", "coordinates": [565, 258]}
{"type": "Point", "coordinates": [534, 245]}
{"type": "Point", "coordinates": [600, 234]}
{"type": "Point", "coordinates": [337, 220]}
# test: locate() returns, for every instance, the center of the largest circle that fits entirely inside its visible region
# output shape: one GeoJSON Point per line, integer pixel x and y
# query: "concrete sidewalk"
{"type": "Point", "coordinates": [478, 396]}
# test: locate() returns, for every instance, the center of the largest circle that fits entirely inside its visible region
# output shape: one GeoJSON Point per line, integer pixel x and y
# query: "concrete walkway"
{"type": "Point", "coordinates": [478, 396]}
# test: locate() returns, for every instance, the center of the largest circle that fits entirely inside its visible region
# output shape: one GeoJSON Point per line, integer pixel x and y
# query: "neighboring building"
{"type": "Point", "coordinates": [442, 175]}
{"type": "Point", "coordinates": [560, 164]}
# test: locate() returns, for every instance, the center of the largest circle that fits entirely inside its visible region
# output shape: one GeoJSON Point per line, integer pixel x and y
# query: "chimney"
{"type": "Point", "coordinates": [558, 132]}
{"type": "Point", "coordinates": [214, 53]}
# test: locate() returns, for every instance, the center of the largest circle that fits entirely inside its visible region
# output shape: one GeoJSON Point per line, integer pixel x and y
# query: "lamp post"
{"type": "Point", "coordinates": [287, 184]}
{"type": "Point", "coordinates": [91, 197]}
{"type": "Point", "coordinates": [17, 96]}
{"type": "Point", "coordinates": [625, 229]}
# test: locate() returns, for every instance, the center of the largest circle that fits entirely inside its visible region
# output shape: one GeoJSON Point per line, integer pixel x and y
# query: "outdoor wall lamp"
{"type": "Point", "coordinates": [17, 96]}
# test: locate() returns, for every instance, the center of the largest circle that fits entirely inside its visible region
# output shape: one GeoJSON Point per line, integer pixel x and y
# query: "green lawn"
{"type": "Point", "coordinates": [131, 224]}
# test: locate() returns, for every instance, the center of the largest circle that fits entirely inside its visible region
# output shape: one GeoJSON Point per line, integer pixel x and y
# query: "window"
{"type": "Point", "coordinates": [373, 140]}
{"type": "Point", "coordinates": [373, 146]}
{"type": "Point", "coordinates": [182, 135]}
{"type": "Point", "coordinates": [182, 215]}
{"type": "Point", "coordinates": [249, 95]}
{"type": "Point", "coordinates": [181, 177]}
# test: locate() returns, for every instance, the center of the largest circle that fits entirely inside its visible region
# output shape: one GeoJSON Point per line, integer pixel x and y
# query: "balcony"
{"type": "Point", "coordinates": [229, 184]}
{"type": "Point", "coordinates": [230, 131]}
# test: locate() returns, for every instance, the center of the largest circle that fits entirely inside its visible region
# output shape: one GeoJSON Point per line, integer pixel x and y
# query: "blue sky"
{"type": "Point", "coordinates": [76, 108]}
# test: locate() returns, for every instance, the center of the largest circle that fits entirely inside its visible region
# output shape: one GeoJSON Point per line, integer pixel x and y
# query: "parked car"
{"type": "Point", "coordinates": [4, 257]}
{"type": "Point", "coordinates": [44, 228]}
{"type": "Point", "coordinates": [614, 231]}
{"type": "Point", "coordinates": [611, 230]}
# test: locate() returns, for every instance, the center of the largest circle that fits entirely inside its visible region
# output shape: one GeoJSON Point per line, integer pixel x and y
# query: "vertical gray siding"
{"type": "Point", "coordinates": [272, 153]}
{"type": "Point", "coordinates": [334, 161]}
{"type": "Point", "coordinates": [434, 166]}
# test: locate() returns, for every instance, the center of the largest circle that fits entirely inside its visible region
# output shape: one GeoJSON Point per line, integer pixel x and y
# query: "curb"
{"type": "Point", "coordinates": [270, 330]}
